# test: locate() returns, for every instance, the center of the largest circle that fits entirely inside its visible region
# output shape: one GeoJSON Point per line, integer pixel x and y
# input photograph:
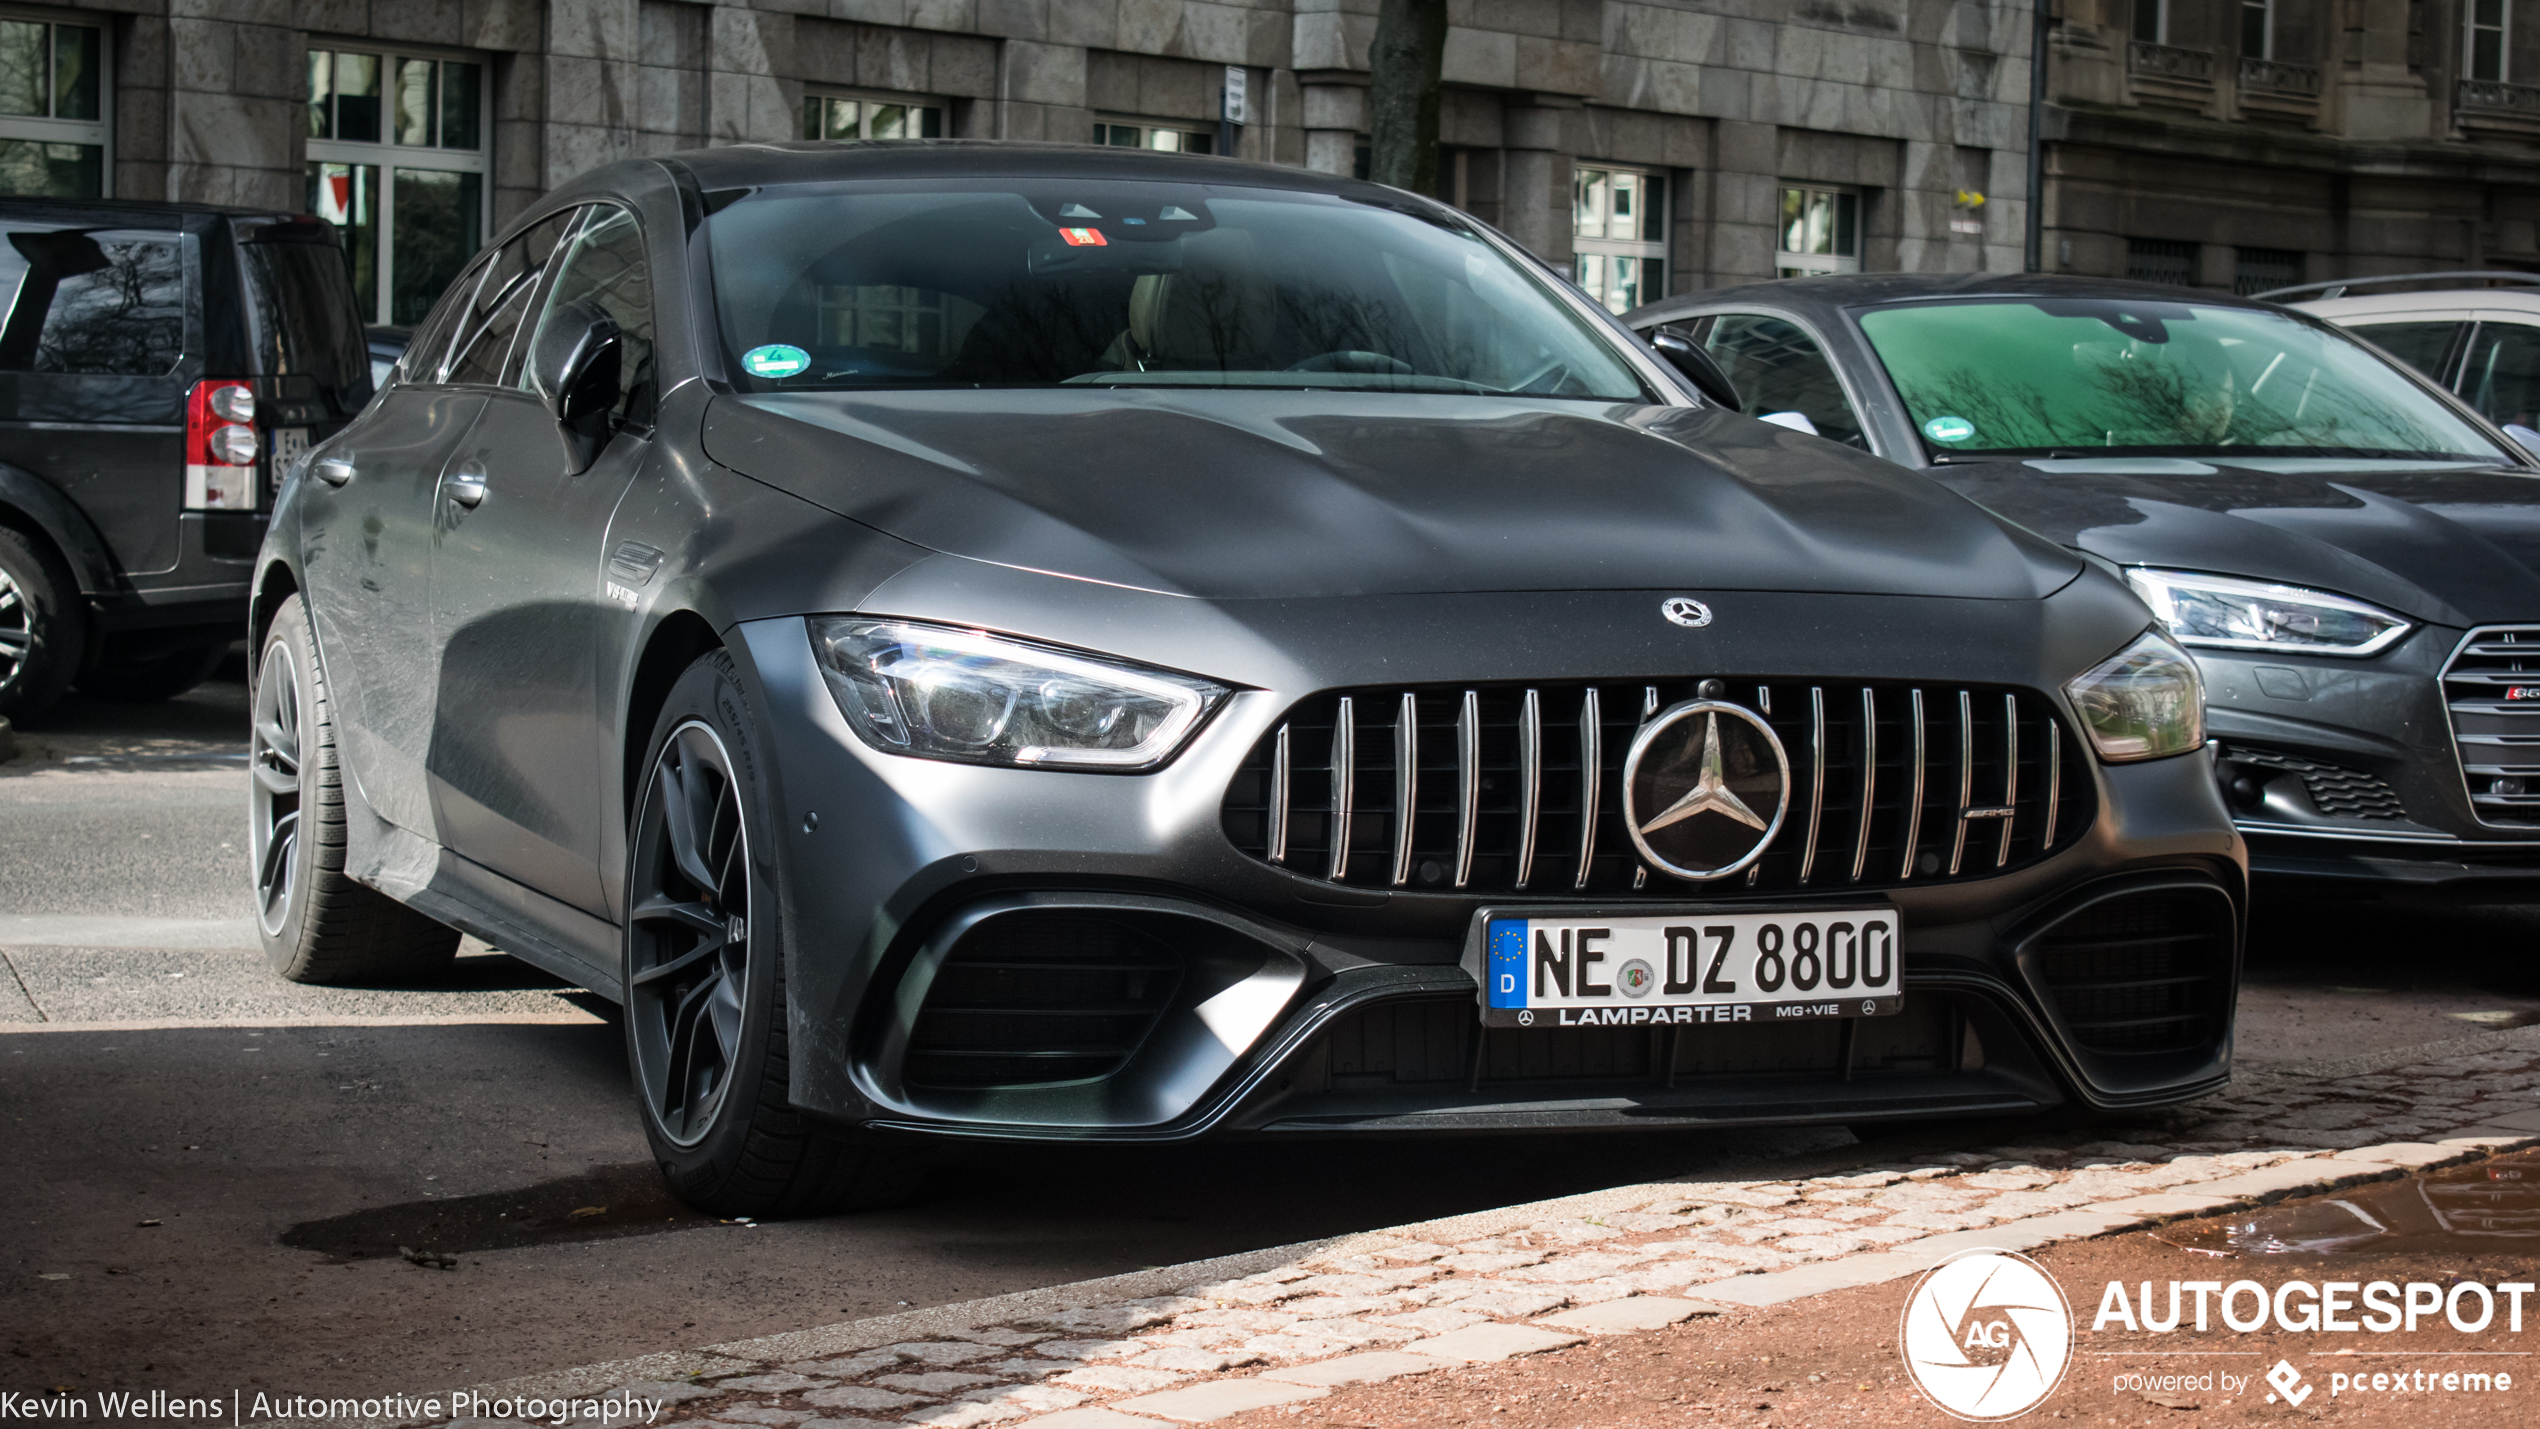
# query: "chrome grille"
{"type": "Point", "coordinates": [2496, 734]}
{"type": "Point", "coordinates": [1892, 783]}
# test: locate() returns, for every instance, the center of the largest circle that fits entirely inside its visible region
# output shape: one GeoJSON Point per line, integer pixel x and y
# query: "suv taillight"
{"type": "Point", "coordinates": [220, 447]}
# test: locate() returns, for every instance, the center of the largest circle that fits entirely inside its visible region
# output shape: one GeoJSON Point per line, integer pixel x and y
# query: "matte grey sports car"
{"type": "Point", "coordinates": [2353, 555]}
{"type": "Point", "coordinates": [1023, 642]}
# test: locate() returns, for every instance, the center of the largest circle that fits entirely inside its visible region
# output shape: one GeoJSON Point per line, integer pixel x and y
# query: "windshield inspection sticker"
{"type": "Point", "coordinates": [777, 359]}
{"type": "Point", "coordinates": [1949, 429]}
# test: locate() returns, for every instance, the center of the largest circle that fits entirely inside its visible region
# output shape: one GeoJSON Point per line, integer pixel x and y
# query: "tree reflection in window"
{"type": "Point", "coordinates": [96, 304]}
{"type": "Point", "coordinates": [2098, 375]}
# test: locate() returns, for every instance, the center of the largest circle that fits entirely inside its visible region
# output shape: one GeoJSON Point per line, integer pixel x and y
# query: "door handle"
{"type": "Point", "coordinates": [334, 470]}
{"type": "Point", "coordinates": [466, 485]}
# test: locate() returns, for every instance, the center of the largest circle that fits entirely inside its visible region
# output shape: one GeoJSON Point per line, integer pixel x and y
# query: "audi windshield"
{"type": "Point", "coordinates": [1022, 283]}
{"type": "Point", "coordinates": [2111, 376]}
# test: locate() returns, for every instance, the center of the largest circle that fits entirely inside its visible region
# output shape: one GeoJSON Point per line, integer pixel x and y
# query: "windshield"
{"type": "Point", "coordinates": [1031, 282]}
{"type": "Point", "coordinates": [2102, 376]}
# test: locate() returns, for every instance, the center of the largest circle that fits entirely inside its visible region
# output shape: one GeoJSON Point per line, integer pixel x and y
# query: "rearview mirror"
{"type": "Point", "coordinates": [1687, 357]}
{"type": "Point", "coordinates": [575, 365]}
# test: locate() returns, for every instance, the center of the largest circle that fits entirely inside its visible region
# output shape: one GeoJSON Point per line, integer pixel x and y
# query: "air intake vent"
{"type": "Point", "coordinates": [2337, 792]}
{"type": "Point", "coordinates": [2141, 972]}
{"type": "Point", "coordinates": [1035, 999]}
{"type": "Point", "coordinates": [2493, 688]}
{"type": "Point", "coordinates": [1890, 784]}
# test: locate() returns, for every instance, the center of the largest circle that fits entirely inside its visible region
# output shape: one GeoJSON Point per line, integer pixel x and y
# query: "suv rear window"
{"type": "Point", "coordinates": [94, 302]}
{"type": "Point", "coordinates": [306, 320]}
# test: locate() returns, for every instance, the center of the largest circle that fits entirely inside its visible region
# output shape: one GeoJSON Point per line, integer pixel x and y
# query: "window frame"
{"type": "Point", "coordinates": [1147, 128]}
{"type": "Point", "coordinates": [2503, 30]}
{"type": "Point", "coordinates": [1788, 263]}
{"type": "Point", "coordinates": [387, 156]}
{"type": "Point", "coordinates": [2265, 13]}
{"type": "Point", "coordinates": [98, 133]}
{"type": "Point", "coordinates": [1640, 249]}
{"type": "Point", "coordinates": [2156, 11]}
{"type": "Point", "coordinates": [867, 98]}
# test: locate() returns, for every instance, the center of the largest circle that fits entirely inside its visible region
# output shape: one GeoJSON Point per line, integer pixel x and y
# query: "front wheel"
{"type": "Point", "coordinates": [704, 980]}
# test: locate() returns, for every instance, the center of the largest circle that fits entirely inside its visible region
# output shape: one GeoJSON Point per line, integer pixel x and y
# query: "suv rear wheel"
{"type": "Point", "coordinates": [43, 628]}
{"type": "Point", "coordinates": [318, 925]}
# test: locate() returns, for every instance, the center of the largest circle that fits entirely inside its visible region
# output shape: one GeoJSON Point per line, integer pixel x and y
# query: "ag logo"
{"type": "Point", "coordinates": [1987, 1335]}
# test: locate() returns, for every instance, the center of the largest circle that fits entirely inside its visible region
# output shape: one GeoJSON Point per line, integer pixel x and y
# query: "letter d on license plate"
{"type": "Point", "coordinates": [1683, 969]}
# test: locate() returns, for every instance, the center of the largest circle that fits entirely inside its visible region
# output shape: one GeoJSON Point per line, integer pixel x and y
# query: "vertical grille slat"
{"type": "Point", "coordinates": [1476, 788]}
{"type": "Point", "coordinates": [1529, 783]}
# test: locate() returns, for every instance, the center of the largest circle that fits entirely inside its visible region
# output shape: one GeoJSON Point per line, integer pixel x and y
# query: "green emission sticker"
{"type": "Point", "coordinates": [1939, 429]}
{"type": "Point", "coordinates": [779, 359]}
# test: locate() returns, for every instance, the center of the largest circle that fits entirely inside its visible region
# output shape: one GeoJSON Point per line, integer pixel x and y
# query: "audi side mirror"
{"type": "Point", "coordinates": [575, 365]}
{"type": "Point", "coordinates": [1687, 357]}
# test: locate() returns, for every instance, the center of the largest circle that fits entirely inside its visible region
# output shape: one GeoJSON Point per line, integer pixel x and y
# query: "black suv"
{"type": "Point", "coordinates": [160, 367]}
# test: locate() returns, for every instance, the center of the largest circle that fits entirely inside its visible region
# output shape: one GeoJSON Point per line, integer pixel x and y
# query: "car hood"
{"type": "Point", "coordinates": [2450, 545]}
{"type": "Point", "coordinates": [1283, 494]}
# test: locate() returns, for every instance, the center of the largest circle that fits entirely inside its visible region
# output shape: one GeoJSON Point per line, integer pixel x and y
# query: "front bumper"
{"type": "Point", "coordinates": [1305, 1007]}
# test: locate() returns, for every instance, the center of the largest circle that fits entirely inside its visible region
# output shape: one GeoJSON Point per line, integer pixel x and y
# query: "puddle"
{"type": "Point", "coordinates": [614, 1201]}
{"type": "Point", "coordinates": [2487, 1205]}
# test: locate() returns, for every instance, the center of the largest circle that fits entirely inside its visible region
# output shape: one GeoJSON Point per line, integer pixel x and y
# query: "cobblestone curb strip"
{"type": "Point", "coordinates": [1198, 1343]}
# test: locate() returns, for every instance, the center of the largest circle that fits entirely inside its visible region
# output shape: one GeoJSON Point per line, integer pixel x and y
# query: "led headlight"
{"type": "Point", "coordinates": [940, 693]}
{"type": "Point", "coordinates": [2230, 614]}
{"type": "Point", "coordinates": [2144, 702]}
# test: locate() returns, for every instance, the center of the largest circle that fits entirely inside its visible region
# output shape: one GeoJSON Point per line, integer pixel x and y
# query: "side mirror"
{"type": "Point", "coordinates": [575, 365]}
{"type": "Point", "coordinates": [1686, 356]}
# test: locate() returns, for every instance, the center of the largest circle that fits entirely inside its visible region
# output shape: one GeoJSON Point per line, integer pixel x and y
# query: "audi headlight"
{"type": "Point", "coordinates": [2232, 614]}
{"type": "Point", "coordinates": [941, 693]}
{"type": "Point", "coordinates": [2144, 702]}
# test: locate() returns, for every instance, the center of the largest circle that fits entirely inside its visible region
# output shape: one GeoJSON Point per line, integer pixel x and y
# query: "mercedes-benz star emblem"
{"type": "Point", "coordinates": [1684, 610]}
{"type": "Point", "coordinates": [1704, 789]}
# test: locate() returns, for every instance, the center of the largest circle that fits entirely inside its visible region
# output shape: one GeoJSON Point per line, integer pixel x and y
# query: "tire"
{"type": "Point", "coordinates": [43, 626]}
{"type": "Point", "coordinates": [318, 925]}
{"type": "Point", "coordinates": [704, 980]}
{"type": "Point", "coordinates": [162, 676]}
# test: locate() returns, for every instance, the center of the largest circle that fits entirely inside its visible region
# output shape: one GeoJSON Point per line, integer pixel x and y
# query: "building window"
{"type": "Point", "coordinates": [1618, 229]}
{"type": "Point", "coordinates": [1820, 232]}
{"type": "Point", "coordinates": [2257, 29]}
{"type": "Point", "coordinates": [2256, 270]}
{"type": "Point", "coordinates": [397, 164]}
{"type": "Point", "coordinates": [2160, 260]}
{"type": "Point", "coordinates": [2485, 43]}
{"type": "Point", "coordinates": [53, 107]}
{"type": "Point", "coordinates": [846, 118]}
{"type": "Point", "coordinates": [2152, 21]}
{"type": "Point", "coordinates": [1155, 136]}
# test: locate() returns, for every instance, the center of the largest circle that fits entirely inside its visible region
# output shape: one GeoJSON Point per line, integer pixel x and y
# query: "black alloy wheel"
{"type": "Point", "coordinates": [688, 935]}
{"type": "Point", "coordinates": [704, 980]}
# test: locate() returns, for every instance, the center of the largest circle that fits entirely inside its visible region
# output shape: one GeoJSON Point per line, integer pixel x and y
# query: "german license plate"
{"type": "Point", "coordinates": [1684, 969]}
{"type": "Point", "coordinates": [289, 445]}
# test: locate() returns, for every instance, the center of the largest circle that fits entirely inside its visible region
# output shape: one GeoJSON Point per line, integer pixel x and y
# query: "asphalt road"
{"type": "Point", "coordinates": [211, 1171]}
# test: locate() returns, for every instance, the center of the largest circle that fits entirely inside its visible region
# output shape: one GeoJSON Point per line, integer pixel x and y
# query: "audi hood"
{"type": "Point", "coordinates": [1253, 493]}
{"type": "Point", "coordinates": [2447, 544]}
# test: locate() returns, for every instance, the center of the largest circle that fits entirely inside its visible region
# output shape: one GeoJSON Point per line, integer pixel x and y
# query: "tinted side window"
{"type": "Point", "coordinates": [430, 344]}
{"type": "Point", "coordinates": [96, 302]}
{"type": "Point", "coordinates": [2503, 377]}
{"type": "Point", "coordinates": [306, 318]}
{"type": "Point", "coordinates": [2420, 345]}
{"type": "Point", "coordinates": [1779, 368]}
{"type": "Point", "coordinates": [502, 301]}
{"type": "Point", "coordinates": [606, 270]}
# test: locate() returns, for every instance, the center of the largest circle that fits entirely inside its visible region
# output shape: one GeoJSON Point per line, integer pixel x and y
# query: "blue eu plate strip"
{"type": "Point", "coordinates": [1507, 967]}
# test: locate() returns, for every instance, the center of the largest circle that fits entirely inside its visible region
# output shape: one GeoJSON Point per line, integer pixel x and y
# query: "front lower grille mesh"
{"type": "Point", "coordinates": [2142, 972]}
{"type": "Point", "coordinates": [1890, 783]}
{"type": "Point", "coordinates": [2492, 686]}
{"type": "Point", "coordinates": [2334, 790]}
{"type": "Point", "coordinates": [1040, 998]}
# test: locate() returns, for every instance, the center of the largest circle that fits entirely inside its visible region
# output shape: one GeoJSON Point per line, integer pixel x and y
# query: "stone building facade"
{"type": "Point", "coordinates": [2251, 143]}
{"type": "Point", "coordinates": [1658, 145]}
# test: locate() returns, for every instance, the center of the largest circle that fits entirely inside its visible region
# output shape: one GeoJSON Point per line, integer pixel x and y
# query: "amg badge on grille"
{"type": "Point", "coordinates": [1704, 788]}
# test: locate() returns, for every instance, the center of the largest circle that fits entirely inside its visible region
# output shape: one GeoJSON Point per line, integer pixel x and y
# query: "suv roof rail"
{"type": "Point", "coordinates": [2336, 288]}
